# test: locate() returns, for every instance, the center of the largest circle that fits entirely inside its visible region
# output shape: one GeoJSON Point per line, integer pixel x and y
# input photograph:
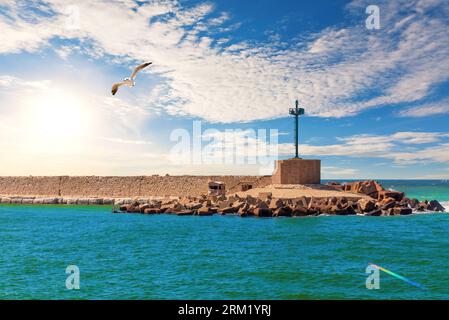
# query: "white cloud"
{"type": "Point", "coordinates": [405, 148]}
{"type": "Point", "coordinates": [425, 110]}
{"type": "Point", "coordinates": [231, 82]}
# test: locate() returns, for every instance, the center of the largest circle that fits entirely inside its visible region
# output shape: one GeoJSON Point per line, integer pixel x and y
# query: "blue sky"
{"type": "Point", "coordinates": [377, 101]}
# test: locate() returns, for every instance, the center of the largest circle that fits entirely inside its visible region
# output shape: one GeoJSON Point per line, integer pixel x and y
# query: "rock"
{"type": "Point", "coordinates": [335, 185]}
{"type": "Point", "coordinates": [367, 205]}
{"type": "Point", "coordinates": [72, 201]}
{"type": "Point", "coordinates": [16, 200]}
{"type": "Point", "coordinates": [387, 212]}
{"type": "Point", "coordinates": [27, 200]}
{"type": "Point", "coordinates": [50, 201]}
{"type": "Point", "coordinates": [143, 207]}
{"type": "Point", "coordinates": [262, 205]}
{"type": "Point", "coordinates": [370, 188]}
{"type": "Point", "coordinates": [388, 205]}
{"type": "Point", "coordinates": [106, 201]}
{"type": "Point", "coordinates": [81, 201]}
{"type": "Point", "coordinates": [284, 211]}
{"type": "Point", "coordinates": [402, 211]}
{"type": "Point", "coordinates": [300, 211]}
{"type": "Point", "coordinates": [302, 201]}
{"type": "Point", "coordinates": [185, 213]}
{"type": "Point", "coordinates": [434, 205]}
{"type": "Point", "coordinates": [414, 203]}
{"type": "Point", "coordinates": [376, 212]}
{"type": "Point", "coordinates": [242, 214]}
{"type": "Point", "coordinates": [227, 210]}
{"type": "Point", "coordinates": [263, 212]}
{"type": "Point", "coordinates": [396, 195]}
{"type": "Point", "coordinates": [152, 211]}
{"type": "Point", "coordinates": [422, 206]}
{"type": "Point", "coordinates": [95, 201]}
{"type": "Point", "coordinates": [276, 204]}
{"type": "Point", "coordinates": [5, 200]}
{"type": "Point", "coordinates": [193, 205]}
{"type": "Point", "coordinates": [250, 200]}
{"type": "Point", "coordinates": [172, 207]}
{"type": "Point", "coordinates": [205, 211]}
{"type": "Point", "coordinates": [38, 201]}
{"type": "Point", "coordinates": [238, 204]}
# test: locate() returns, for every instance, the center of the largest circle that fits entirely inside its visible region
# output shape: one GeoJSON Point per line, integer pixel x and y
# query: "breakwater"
{"type": "Point", "coordinates": [378, 202]}
{"type": "Point", "coordinates": [82, 187]}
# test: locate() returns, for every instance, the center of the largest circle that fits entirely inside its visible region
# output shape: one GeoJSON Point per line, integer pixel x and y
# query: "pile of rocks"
{"type": "Point", "coordinates": [386, 203]}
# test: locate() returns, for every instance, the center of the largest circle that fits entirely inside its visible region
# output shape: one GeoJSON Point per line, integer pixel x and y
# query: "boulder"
{"type": "Point", "coordinates": [375, 212]}
{"type": "Point", "coordinates": [185, 213]}
{"type": "Point", "coordinates": [434, 205]}
{"type": "Point", "coordinates": [16, 200]}
{"type": "Point", "coordinates": [205, 211]}
{"type": "Point", "coordinates": [238, 204]}
{"type": "Point", "coordinates": [152, 211]}
{"type": "Point", "coordinates": [5, 200]}
{"type": "Point", "coordinates": [143, 207]}
{"type": "Point", "coordinates": [422, 206]}
{"type": "Point", "coordinates": [40, 201]}
{"type": "Point", "coordinates": [27, 200]}
{"type": "Point", "coordinates": [335, 185]}
{"type": "Point", "coordinates": [263, 212]}
{"type": "Point", "coordinates": [250, 200]}
{"type": "Point", "coordinates": [227, 210]}
{"type": "Point", "coordinates": [106, 201]}
{"type": "Point", "coordinates": [414, 203]}
{"type": "Point", "coordinates": [396, 195]}
{"type": "Point", "coordinates": [367, 205]}
{"type": "Point", "coordinates": [388, 205]}
{"type": "Point", "coordinates": [370, 188]}
{"type": "Point", "coordinates": [275, 204]}
{"type": "Point", "coordinates": [300, 211]}
{"type": "Point", "coordinates": [262, 205]}
{"type": "Point", "coordinates": [388, 212]}
{"type": "Point", "coordinates": [284, 211]}
{"type": "Point", "coordinates": [402, 211]}
{"type": "Point", "coordinates": [193, 205]}
{"type": "Point", "coordinates": [50, 201]}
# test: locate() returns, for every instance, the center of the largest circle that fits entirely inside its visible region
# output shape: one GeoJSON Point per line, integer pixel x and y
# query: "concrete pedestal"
{"type": "Point", "coordinates": [297, 171]}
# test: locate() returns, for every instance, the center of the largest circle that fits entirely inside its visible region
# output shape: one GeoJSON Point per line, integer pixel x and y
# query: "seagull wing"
{"type": "Point", "coordinates": [138, 68]}
{"type": "Point", "coordinates": [115, 87]}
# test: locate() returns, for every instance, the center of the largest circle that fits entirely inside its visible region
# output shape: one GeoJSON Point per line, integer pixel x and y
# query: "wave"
{"type": "Point", "coordinates": [445, 204]}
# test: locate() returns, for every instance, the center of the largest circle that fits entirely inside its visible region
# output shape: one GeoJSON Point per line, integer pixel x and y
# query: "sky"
{"type": "Point", "coordinates": [224, 75]}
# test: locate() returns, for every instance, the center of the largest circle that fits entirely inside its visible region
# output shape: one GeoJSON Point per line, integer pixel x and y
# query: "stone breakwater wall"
{"type": "Point", "coordinates": [380, 202]}
{"type": "Point", "coordinates": [66, 187]}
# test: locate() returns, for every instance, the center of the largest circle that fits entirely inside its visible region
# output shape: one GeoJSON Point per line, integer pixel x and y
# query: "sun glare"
{"type": "Point", "coordinates": [58, 119]}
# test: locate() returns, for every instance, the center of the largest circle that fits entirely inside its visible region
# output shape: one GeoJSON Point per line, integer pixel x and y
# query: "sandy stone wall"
{"type": "Point", "coordinates": [297, 171]}
{"type": "Point", "coordinates": [95, 186]}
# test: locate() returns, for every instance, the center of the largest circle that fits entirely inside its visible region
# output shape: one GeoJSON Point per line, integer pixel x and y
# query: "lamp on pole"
{"type": "Point", "coordinates": [296, 112]}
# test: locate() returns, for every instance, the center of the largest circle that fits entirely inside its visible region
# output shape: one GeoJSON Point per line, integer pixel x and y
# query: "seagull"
{"type": "Point", "coordinates": [129, 81]}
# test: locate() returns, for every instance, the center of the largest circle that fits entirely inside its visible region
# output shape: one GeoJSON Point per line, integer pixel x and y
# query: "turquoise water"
{"type": "Point", "coordinates": [131, 256]}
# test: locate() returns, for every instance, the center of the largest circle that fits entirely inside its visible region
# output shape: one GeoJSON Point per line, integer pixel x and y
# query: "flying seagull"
{"type": "Point", "coordinates": [129, 81]}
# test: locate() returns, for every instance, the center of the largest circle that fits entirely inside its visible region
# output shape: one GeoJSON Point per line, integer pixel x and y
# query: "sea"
{"type": "Point", "coordinates": [45, 250]}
